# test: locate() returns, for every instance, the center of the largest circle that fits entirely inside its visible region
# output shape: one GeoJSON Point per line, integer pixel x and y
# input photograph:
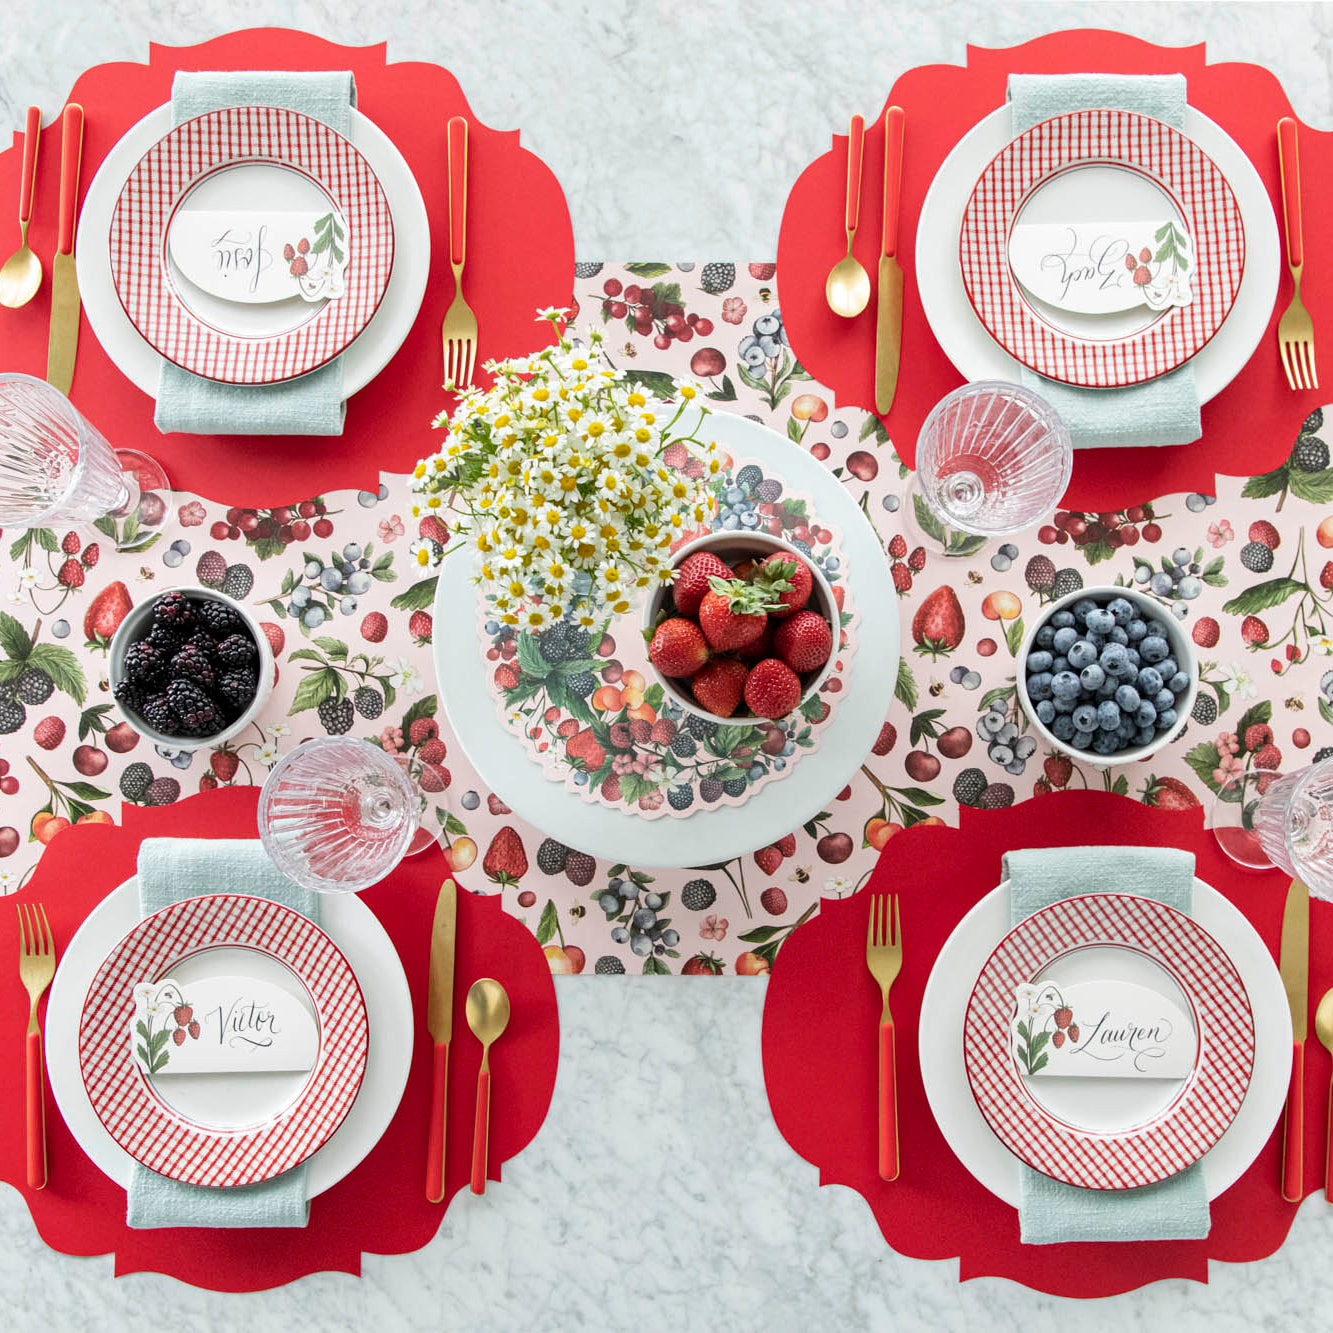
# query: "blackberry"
{"type": "Point", "coordinates": [769, 490]}
{"type": "Point", "coordinates": [237, 650]}
{"type": "Point", "coordinates": [683, 744]}
{"type": "Point", "coordinates": [198, 714]}
{"type": "Point", "coordinates": [1040, 573]}
{"type": "Point", "coordinates": [581, 683]}
{"type": "Point", "coordinates": [587, 270]}
{"type": "Point", "coordinates": [710, 790]}
{"type": "Point", "coordinates": [580, 643]}
{"type": "Point", "coordinates": [336, 715]}
{"type": "Point", "coordinates": [1310, 454]}
{"type": "Point", "coordinates": [553, 644]}
{"type": "Point", "coordinates": [158, 714]}
{"type": "Point", "coordinates": [1312, 423]}
{"type": "Point", "coordinates": [219, 619]}
{"type": "Point", "coordinates": [193, 664]}
{"type": "Point", "coordinates": [35, 686]}
{"type": "Point", "coordinates": [968, 786]}
{"type": "Point", "coordinates": [238, 582]}
{"type": "Point", "coordinates": [173, 608]}
{"type": "Point", "coordinates": [238, 688]}
{"type": "Point", "coordinates": [1204, 711]}
{"type": "Point", "coordinates": [749, 476]}
{"type": "Point", "coordinates": [700, 727]}
{"type": "Point", "coordinates": [717, 278]}
{"type": "Point", "coordinates": [203, 642]}
{"type": "Point", "coordinates": [163, 791]}
{"type": "Point", "coordinates": [144, 663]}
{"type": "Point", "coordinates": [698, 895]}
{"type": "Point", "coordinates": [735, 786]}
{"type": "Point", "coordinates": [608, 966]}
{"type": "Point", "coordinates": [1066, 581]}
{"type": "Point", "coordinates": [1256, 557]}
{"type": "Point", "coordinates": [804, 547]}
{"type": "Point", "coordinates": [130, 694]}
{"type": "Point", "coordinates": [681, 797]}
{"type": "Point", "coordinates": [998, 796]}
{"type": "Point", "coordinates": [551, 857]}
{"type": "Point", "coordinates": [12, 713]}
{"type": "Point", "coordinates": [167, 639]}
{"type": "Point", "coordinates": [135, 781]}
{"type": "Point", "coordinates": [369, 701]}
{"type": "Point", "coordinates": [580, 868]}
{"type": "Point", "coordinates": [1325, 753]}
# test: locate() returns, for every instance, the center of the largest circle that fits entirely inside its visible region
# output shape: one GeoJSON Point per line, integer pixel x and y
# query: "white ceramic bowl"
{"type": "Point", "coordinates": [1182, 649]}
{"type": "Point", "coordinates": [136, 625]}
{"type": "Point", "coordinates": [735, 546]}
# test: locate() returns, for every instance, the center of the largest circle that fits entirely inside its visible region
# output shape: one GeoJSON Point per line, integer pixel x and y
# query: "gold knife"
{"type": "Point", "coordinates": [440, 1021]}
{"type": "Point", "coordinates": [1295, 969]}
{"type": "Point", "coordinates": [889, 320]}
{"type": "Point", "coordinates": [63, 340]}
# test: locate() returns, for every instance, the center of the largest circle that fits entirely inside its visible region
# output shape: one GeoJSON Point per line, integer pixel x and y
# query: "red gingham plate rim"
{"type": "Point", "coordinates": [1100, 1147]}
{"type": "Point", "coordinates": [379, 277]}
{"type": "Point", "coordinates": [1061, 336]}
{"type": "Point", "coordinates": [352, 1025]}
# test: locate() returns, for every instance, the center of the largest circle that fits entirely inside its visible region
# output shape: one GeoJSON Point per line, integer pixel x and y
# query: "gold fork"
{"type": "Point", "coordinates": [459, 330]}
{"type": "Point", "coordinates": [884, 958]}
{"type": "Point", "coordinates": [1295, 331]}
{"type": "Point", "coordinates": [37, 965]}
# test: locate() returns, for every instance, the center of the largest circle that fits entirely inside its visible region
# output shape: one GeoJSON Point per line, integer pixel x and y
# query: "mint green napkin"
{"type": "Point", "coordinates": [311, 404]}
{"type": "Point", "coordinates": [1051, 1212]}
{"type": "Point", "coordinates": [1164, 410]}
{"type": "Point", "coordinates": [170, 870]}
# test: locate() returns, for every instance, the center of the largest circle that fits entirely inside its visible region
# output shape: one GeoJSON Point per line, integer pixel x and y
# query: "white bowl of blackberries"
{"type": "Point", "coordinates": [1107, 675]}
{"type": "Point", "coordinates": [190, 668]}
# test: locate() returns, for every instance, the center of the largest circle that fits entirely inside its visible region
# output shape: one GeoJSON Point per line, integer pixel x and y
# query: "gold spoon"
{"type": "Point", "coordinates": [487, 1016]}
{"type": "Point", "coordinates": [1323, 1028]}
{"type": "Point", "coordinates": [21, 275]}
{"type": "Point", "coordinates": [848, 287]}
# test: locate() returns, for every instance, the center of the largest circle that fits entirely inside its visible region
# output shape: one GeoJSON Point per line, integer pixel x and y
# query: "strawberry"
{"type": "Point", "coordinates": [772, 689]}
{"type": "Point", "coordinates": [902, 579]}
{"type": "Point", "coordinates": [1073, 1033]}
{"type": "Point", "coordinates": [1057, 1039]}
{"type": "Point", "coordinates": [1042, 788]}
{"type": "Point", "coordinates": [917, 560]}
{"type": "Point", "coordinates": [1261, 530]}
{"type": "Point", "coordinates": [762, 647]}
{"type": "Point", "coordinates": [898, 546]}
{"type": "Point", "coordinates": [276, 638]}
{"type": "Point", "coordinates": [71, 543]}
{"type": "Point", "coordinates": [49, 732]}
{"type": "Point", "coordinates": [938, 626]}
{"type": "Point", "coordinates": [719, 685]}
{"type": "Point", "coordinates": [583, 748]}
{"type": "Point", "coordinates": [433, 751]}
{"type": "Point", "coordinates": [786, 844]}
{"type": "Point", "coordinates": [678, 647]}
{"type": "Point", "coordinates": [768, 859]}
{"type": "Point", "coordinates": [1326, 575]}
{"type": "Point", "coordinates": [733, 613]}
{"type": "Point", "coordinates": [1254, 631]}
{"type": "Point", "coordinates": [773, 900]}
{"type": "Point", "coordinates": [434, 528]}
{"type": "Point", "coordinates": [1064, 1017]}
{"type": "Point", "coordinates": [1058, 770]}
{"type": "Point", "coordinates": [789, 579]}
{"type": "Point", "coordinates": [1206, 632]}
{"type": "Point", "coordinates": [885, 741]}
{"type": "Point", "coordinates": [90, 555]}
{"type": "Point", "coordinates": [692, 580]}
{"type": "Point", "coordinates": [106, 611]}
{"type": "Point", "coordinates": [1169, 794]}
{"type": "Point", "coordinates": [374, 627]}
{"type": "Point", "coordinates": [224, 763]}
{"type": "Point", "coordinates": [71, 574]}
{"type": "Point", "coordinates": [505, 861]}
{"type": "Point", "coordinates": [178, 1037]}
{"type": "Point", "coordinates": [804, 641]}
{"type": "Point", "coordinates": [207, 782]}
{"type": "Point", "coordinates": [1257, 735]}
{"type": "Point", "coordinates": [420, 626]}
{"type": "Point", "coordinates": [611, 788]}
{"type": "Point", "coordinates": [182, 1014]}
{"type": "Point", "coordinates": [703, 965]}
{"type": "Point", "coordinates": [496, 806]}
{"type": "Point", "coordinates": [506, 675]}
{"type": "Point", "coordinates": [1269, 757]}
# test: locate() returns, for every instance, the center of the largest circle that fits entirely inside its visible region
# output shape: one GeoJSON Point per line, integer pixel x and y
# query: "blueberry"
{"type": "Point", "coordinates": [615, 885]}
{"type": "Point", "coordinates": [749, 520]}
{"type": "Point", "coordinates": [670, 938]}
{"type": "Point", "coordinates": [1063, 727]}
{"type": "Point", "coordinates": [1007, 734]}
{"type": "Point", "coordinates": [181, 545]}
{"type": "Point", "coordinates": [1085, 718]}
{"type": "Point", "coordinates": [1195, 503]}
{"type": "Point", "coordinates": [1144, 736]}
{"type": "Point", "coordinates": [1122, 610]}
{"type": "Point", "coordinates": [1150, 681]}
{"type": "Point", "coordinates": [1065, 638]}
{"type": "Point", "coordinates": [628, 890]}
{"type": "Point", "coordinates": [1115, 660]}
{"type": "Point", "coordinates": [1146, 714]}
{"type": "Point", "coordinates": [1108, 715]}
{"type": "Point", "coordinates": [300, 596]}
{"type": "Point", "coordinates": [1045, 712]}
{"type": "Point", "coordinates": [1134, 660]}
{"type": "Point", "coordinates": [1000, 754]}
{"type": "Point", "coordinates": [972, 681]}
{"type": "Point", "coordinates": [1155, 627]}
{"type": "Point", "coordinates": [1178, 683]}
{"type": "Point", "coordinates": [731, 522]}
{"type": "Point", "coordinates": [1082, 654]}
{"type": "Point", "coordinates": [620, 935]}
{"type": "Point", "coordinates": [1010, 550]}
{"type": "Point", "coordinates": [1167, 667]}
{"type": "Point", "coordinates": [1039, 686]}
{"type": "Point", "coordinates": [359, 583]}
{"type": "Point", "coordinates": [609, 902]}
{"type": "Point", "coordinates": [1039, 661]}
{"type": "Point", "coordinates": [1167, 719]}
{"type": "Point", "coordinates": [1104, 743]}
{"type": "Point", "coordinates": [1100, 622]}
{"type": "Point", "coordinates": [988, 724]}
{"type": "Point", "coordinates": [1181, 556]}
{"type": "Point", "coordinates": [347, 606]}
{"type": "Point", "coordinates": [1044, 637]}
{"type": "Point", "coordinates": [1063, 619]}
{"type": "Point", "coordinates": [1107, 689]}
{"type": "Point", "coordinates": [1083, 739]}
{"type": "Point", "coordinates": [957, 673]}
{"type": "Point", "coordinates": [653, 900]}
{"type": "Point", "coordinates": [1001, 563]}
{"type": "Point", "coordinates": [1065, 685]}
{"type": "Point", "coordinates": [172, 558]}
{"type": "Point", "coordinates": [352, 551]}
{"type": "Point", "coordinates": [363, 563]}
{"type": "Point", "coordinates": [471, 800]}
{"type": "Point", "coordinates": [1059, 664]}
{"type": "Point", "coordinates": [1015, 766]}
{"type": "Point", "coordinates": [1127, 699]}
{"type": "Point", "coordinates": [641, 945]}
{"type": "Point", "coordinates": [1162, 584]}
{"type": "Point", "coordinates": [61, 629]}
{"type": "Point", "coordinates": [1153, 649]}
{"type": "Point", "coordinates": [1092, 676]}
{"type": "Point", "coordinates": [1190, 588]}
{"type": "Point", "coordinates": [890, 502]}
{"type": "Point", "coordinates": [1142, 573]}
{"type": "Point", "coordinates": [313, 617]}
{"type": "Point", "coordinates": [1065, 705]}
{"type": "Point", "coordinates": [1163, 700]}
{"type": "Point", "coordinates": [1082, 607]}
{"type": "Point", "coordinates": [331, 580]}
{"type": "Point", "coordinates": [645, 919]}
{"type": "Point", "coordinates": [366, 498]}
{"type": "Point", "coordinates": [1136, 630]}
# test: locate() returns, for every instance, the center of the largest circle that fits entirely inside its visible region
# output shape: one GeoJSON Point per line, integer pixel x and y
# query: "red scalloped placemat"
{"type": "Point", "coordinates": [520, 259]}
{"type": "Point", "coordinates": [381, 1207]}
{"type": "Point", "coordinates": [821, 1018]}
{"type": "Point", "coordinates": [1245, 428]}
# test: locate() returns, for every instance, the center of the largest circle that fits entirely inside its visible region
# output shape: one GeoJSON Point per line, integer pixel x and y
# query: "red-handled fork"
{"type": "Point", "coordinates": [1295, 330]}
{"type": "Point", "coordinates": [37, 965]}
{"type": "Point", "coordinates": [459, 330]}
{"type": "Point", "coordinates": [884, 958]}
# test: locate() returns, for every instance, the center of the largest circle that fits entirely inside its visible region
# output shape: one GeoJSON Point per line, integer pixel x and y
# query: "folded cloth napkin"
{"type": "Point", "coordinates": [170, 870]}
{"type": "Point", "coordinates": [310, 404]}
{"type": "Point", "coordinates": [1050, 1211]}
{"type": "Point", "coordinates": [1164, 410]}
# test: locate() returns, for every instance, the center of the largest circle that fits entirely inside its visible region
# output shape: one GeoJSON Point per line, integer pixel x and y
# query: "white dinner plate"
{"type": "Point", "coordinates": [944, 1072]}
{"type": "Point", "coordinates": [964, 338]}
{"type": "Point", "coordinates": [350, 924]}
{"type": "Point", "coordinates": [364, 358]}
{"type": "Point", "coordinates": [726, 831]}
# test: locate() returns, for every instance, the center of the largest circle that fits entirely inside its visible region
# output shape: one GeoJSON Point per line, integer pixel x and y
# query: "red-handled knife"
{"type": "Point", "coordinates": [440, 1021]}
{"type": "Point", "coordinates": [1294, 964]}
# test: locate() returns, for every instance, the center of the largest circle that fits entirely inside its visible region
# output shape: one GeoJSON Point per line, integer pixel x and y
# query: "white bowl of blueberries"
{"type": "Point", "coordinates": [1107, 675]}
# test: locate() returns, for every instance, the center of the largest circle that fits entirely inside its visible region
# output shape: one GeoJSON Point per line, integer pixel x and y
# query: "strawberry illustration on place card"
{"type": "Point", "coordinates": [1101, 1029]}
{"type": "Point", "coordinates": [259, 257]}
{"type": "Point", "coordinates": [221, 1025]}
{"type": "Point", "coordinates": [1097, 268]}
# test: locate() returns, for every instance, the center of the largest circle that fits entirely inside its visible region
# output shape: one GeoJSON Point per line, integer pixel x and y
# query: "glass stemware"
{"type": "Point", "coordinates": [992, 458]}
{"type": "Point", "coordinates": [57, 469]}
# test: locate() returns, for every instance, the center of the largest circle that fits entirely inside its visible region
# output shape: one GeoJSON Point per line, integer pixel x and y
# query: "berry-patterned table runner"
{"type": "Point", "coordinates": [344, 583]}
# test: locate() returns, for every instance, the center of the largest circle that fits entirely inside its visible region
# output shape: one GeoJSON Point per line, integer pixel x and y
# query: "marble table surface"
{"type": "Point", "coordinates": [692, 1212]}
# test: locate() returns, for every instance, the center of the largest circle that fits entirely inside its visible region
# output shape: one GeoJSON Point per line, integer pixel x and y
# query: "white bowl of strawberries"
{"type": "Point", "coordinates": [748, 629]}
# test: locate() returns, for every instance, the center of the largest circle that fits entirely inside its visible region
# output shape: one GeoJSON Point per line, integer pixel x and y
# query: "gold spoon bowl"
{"type": "Point", "coordinates": [21, 274]}
{"type": "Point", "coordinates": [488, 1016]}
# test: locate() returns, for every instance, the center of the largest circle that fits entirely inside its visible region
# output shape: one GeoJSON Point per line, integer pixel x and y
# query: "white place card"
{"type": "Point", "coordinates": [1095, 268]}
{"type": "Point", "coordinates": [1101, 1029]}
{"type": "Point", "coordinates": [258, 257]}
{"type": "Point", "coordinates": [221, 1025]}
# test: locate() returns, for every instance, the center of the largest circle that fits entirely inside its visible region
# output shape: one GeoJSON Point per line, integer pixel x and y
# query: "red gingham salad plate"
{"type": "Point", "coordinates": [1100, 1133]}
{"type": "Point", "coordinates": [135, 1113]}
{"type": "Point", "coordinates": [1103, 152]}
{"type": "Point", "coordinates": [232, 167]}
